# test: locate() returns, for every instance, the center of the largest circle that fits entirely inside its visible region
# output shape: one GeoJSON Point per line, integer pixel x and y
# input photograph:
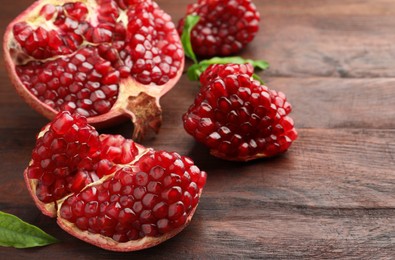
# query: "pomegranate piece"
{"type": "Point", "coordinates": [237, 117]}
{"type": "Point", "coordinates": [110, 191]}
{"type": "Point", "coordinates": [225, 26]}
{"type": "Point", "coordinates": [105, 59]}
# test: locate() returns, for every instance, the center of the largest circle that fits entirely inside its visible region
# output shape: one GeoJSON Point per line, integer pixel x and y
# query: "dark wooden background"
{"type": "Point", "coordinates": [331, 196]}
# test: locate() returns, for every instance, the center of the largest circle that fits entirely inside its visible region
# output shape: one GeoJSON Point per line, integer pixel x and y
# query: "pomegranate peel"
{"type": "Point", "coordinates": [95, 58]}
{"type": "Point", "coordinates": [110, 191]}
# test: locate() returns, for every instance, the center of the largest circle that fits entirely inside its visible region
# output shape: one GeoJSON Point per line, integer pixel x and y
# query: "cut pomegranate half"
{"type": "Point", "coordinates": [110, 191]}
{"type": "Point", "coordinates": [104, 59]}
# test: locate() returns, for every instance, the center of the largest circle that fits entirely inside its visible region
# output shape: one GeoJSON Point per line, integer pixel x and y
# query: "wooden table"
{"type": "Point", "coordinates": [332, 195]}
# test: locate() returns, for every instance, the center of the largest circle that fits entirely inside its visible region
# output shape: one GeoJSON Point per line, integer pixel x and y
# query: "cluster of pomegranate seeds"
{"type": "Point", "coordinates": [84, 82]}
{"type": "Point", "coordinates": [118, 149]}
{"type": "Point", "coordinates": [237, 117]}
{"type": "Point", "coordinates": [75, 56]}
{"type": "Point", "coordinates": [156, 52]}
{"type": "Point", "coordinates": [63, 157]}
{"type": "Point", "coordinates": [151, 198]}
{"type": "Point", "coordinates": [70, 154]}
{"type": "Point", "coordinates": [224, 28]}
{"type": "Point", "coordinates": [221, 71]}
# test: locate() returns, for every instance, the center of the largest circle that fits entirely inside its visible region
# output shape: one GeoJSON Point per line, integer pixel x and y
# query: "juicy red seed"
{"type": "Point", "coordinates": [164, 225]}
{"type": "Point", "coordinates": [149, 229]}
{"type": "Point", "coordinates": [62, 124]}
{"type": "Point", "coordinates": [157, 172]}
{"type": "Point", "coordinates": [180, 221]}
{"type": "Point", "coordinates": [154, 187]}
{"type": "Point", "coordinates": [172, 179]}
{"type": "Point", "coordinates": [76, 10]}
{"type": "Point", "coordinates": [103, 67]}
{"type": "Point", "coordinates": [34, 172]}
{"type": "Point", "coordinates": [113, 210]}
{"type": "Point", "coordinates": [141, 178]}
{"type": "Point", "coordinates": [115, 187]}
{"type": "Point", "coordinates": [78, 208]}
{"type": "Point", "coordinates": [137, 207]}
{"type": "Point", "coordinates": [82, 223]}
{"type": "Point", "coordinates": [66, 213]}
{"type": "Point", "coordinates": [126, 178]}
{"type": "Point", "coordinates": [149, 200]}
{"type": "Point", "coordinates": [101, 35]}
{"type": "Point", "coordinates": [176, 210]}
{"type": "Point", "coordinates": [139, 192]}
{"type": "Point", "coordinates": [146, 216]}
{"type": "Point", "coordinates": [160, 210]}
{"type": "Point", "coordinates": [103, 196]}
{"type": "Point", "coordinates": [111, 78]}
{"type": "Point", "coordinates": [127, 216]}
{"type": "Point", "coordinates": [89, 194]}
{"type": "Point", "coordinates": [126, 201]}
{"type": "Point", "coordinates": [102, 106]}
{"type": "Point", "coordinates": [91, 208]}
{"type": "Point", "coordinates": [48, 11]}
{"type": "Point", "coordinates": [173, 194]}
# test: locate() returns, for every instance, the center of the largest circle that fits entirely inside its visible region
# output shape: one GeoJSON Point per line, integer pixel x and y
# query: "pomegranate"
{"type": "Point", "coordinates": [237, 117]}
{"type": "Point", "coordinates": [105, 59]}
{"type": "Point", "coordinates": [110, 191]}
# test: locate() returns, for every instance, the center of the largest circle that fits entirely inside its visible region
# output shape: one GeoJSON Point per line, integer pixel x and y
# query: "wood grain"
{"type": "Point", "coordinates": [330, 196]}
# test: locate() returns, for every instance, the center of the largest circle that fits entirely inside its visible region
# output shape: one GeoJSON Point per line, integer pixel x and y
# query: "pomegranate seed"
{"type": "Point", "coordinates": [62, 124]}
{"type": "Point", "coordinates": [149, 200]}
{"type": "Point", "coordinates": [176, 210]}
{"type": "Point", "coordinates": [173, 194]}
{"type": "Point", "coordinates": [163, 225]}
{"type": "Point", "coordinates": [127, 216]}
{"type": "Point", "coordinates": [111, 78]}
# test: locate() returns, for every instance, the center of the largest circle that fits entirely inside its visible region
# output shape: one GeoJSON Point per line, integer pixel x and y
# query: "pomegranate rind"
{"type": "Point", "coordinates": [129, 89]}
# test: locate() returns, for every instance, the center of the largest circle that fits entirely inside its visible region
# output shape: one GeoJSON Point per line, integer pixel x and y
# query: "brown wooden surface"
{"type": "Point", "coordinates": [331, 196]}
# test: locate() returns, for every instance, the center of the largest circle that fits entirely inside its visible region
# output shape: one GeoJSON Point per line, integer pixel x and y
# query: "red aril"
{"type": "Point", "coordinates": [104, 59]}
{"type": "Point", "coordinates": [110, 191]}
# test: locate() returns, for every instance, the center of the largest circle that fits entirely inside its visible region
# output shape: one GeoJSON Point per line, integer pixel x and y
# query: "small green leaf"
{"type": "Point", "coordinates": [195, 70]}
{"type": "Point", "coordinates": [190, 22]}
{"type": "Point", "coordinates": [14, 232]}
{"type": "Point", "coordinates": [259, 64]}
{"type": "Point", "coordinates": [256, 77]}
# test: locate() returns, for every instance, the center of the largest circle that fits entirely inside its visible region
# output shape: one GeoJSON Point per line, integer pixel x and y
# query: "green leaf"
{"type": "Point", "coordinates": [190, 22]}
{"type": "Point", "coordinates": [14, 232]}
{"type": "Point", "coordinates": [259, 64]}
{"type": "Point", "coordinates": [196, 70]}
{"type": "Point", "coordinates": [256, 77]}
